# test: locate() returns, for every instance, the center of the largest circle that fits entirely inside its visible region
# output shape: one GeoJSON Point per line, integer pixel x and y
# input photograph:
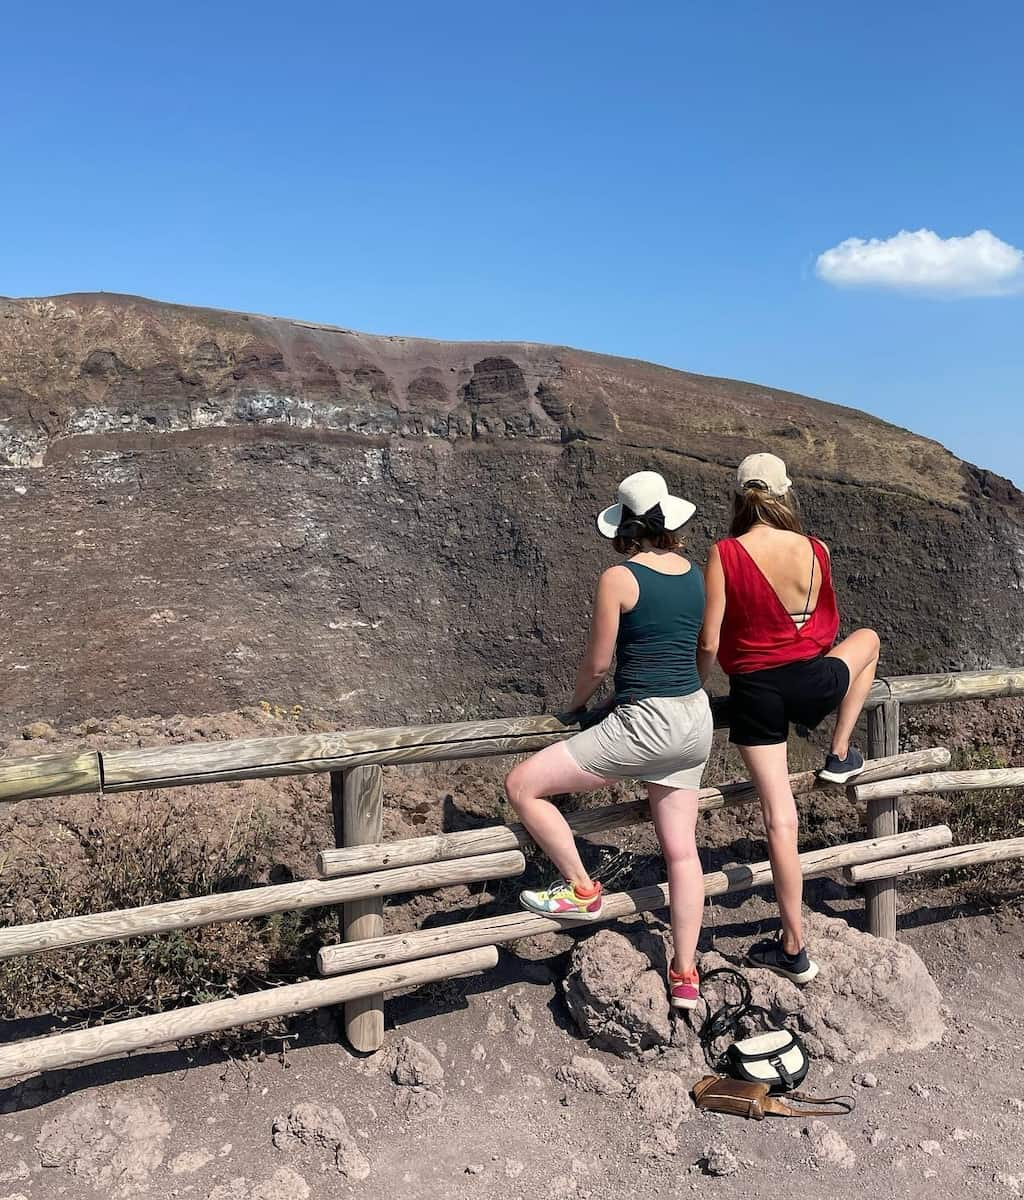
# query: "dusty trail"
{"type": "Point", "coordinates": [490, 1104]}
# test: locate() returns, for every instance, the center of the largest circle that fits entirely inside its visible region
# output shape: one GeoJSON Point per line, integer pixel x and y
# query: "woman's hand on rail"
{"type": "Point", "coordinates": [571, 716]}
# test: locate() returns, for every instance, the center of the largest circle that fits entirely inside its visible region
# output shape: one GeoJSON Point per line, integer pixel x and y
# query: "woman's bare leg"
{"type": "Point", "coordinates": [674, 811]}
{"type": "Point", "coordinates": [769, 773]}
{"type": "Point", "coordinates": [860, 653]}
{"type": "Point", "coordinates": [550, 772]}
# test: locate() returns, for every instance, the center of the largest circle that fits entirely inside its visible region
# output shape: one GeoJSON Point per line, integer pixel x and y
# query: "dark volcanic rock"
{"type": "Point", "coordinates": [205, 509]}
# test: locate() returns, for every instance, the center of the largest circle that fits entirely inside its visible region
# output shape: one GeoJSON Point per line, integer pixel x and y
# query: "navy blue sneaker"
{"type": "Point", "coordinates": [770, 954]}
{"type": "Point", "coordinates": [841, 770]}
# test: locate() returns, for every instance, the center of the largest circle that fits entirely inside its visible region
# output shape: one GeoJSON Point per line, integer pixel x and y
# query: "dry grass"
{"type": "Point", "coordinates": [983, 816]}
{"type": "Point", "coordinates": [154, 855]}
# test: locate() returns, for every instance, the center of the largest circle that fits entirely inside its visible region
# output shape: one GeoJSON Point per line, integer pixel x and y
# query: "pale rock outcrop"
{"type": "Point", "coordinates": [615, 996]}
{"type": "Point", "coordinates": [112, 1147]}
{"type": "Point", "coordinates": [325, 1130]}
{"type": "Point", "coordinates": [873, 997]}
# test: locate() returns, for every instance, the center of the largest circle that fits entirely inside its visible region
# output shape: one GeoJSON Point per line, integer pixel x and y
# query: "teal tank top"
{"type": "Point", "coordinates": [656, 648]}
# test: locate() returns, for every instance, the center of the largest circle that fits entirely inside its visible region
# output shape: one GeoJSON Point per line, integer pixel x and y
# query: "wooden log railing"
{"type": "Point", "coordinates": [426, 964]}
{"type": "Point", "coordinates": [463, 858]}
{"type": "Point", "coordinates": [304, 754]}
{"type": "Point", "coordinates": [361, 893]}
{"type": "Point", "coordinates": [882, 798]}
{"type": "Point", "coordinates": [355, 870]}
{"type": "Point", "coordinates": [143, 1033]}
{"type": "Point", "coordinates": [396, 948]}
{"type": "Point", "coordinates": [191, 913]}
{"type": "Point", "coordinates": [938, 783]}
{"type": "Point", "coordinates": [958, 685]}
{"type": "Point", "coordinates": [947, 858]}
{"type": "Point", "coordinates": [354, 860]}
{"type": "Point", "coordinates": [315, 753]}
{"type": "Point", "coordinates": [50, 775]}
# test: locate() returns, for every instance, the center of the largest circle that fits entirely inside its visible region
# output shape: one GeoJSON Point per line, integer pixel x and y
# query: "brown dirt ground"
{"type": "Point", "coordinates": [509, 1128]}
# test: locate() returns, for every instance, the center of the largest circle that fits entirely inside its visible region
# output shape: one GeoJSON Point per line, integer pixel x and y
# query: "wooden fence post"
{"type": "Point", "coordinates": [357, 802]}
{"type": "Point", "coordinates": [880, 895]}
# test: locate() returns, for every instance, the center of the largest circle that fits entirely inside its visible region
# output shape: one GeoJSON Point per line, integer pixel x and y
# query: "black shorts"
{"type": "Point", "coordinates": [762, 703]}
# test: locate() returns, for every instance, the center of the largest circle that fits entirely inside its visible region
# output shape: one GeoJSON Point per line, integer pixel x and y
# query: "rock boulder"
{"type": "Point", "coordinates": [873, 996]}
{"type": "Point", "coordinates": [616, 997]}
{"type": "Point", "coordinates": [326, 1130]}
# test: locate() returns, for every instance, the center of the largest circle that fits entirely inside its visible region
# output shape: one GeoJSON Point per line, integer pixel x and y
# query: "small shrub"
{"type": "Point", "coordinates": [982, 816]}
{"type": "Point", "coordinates": [156, 854]}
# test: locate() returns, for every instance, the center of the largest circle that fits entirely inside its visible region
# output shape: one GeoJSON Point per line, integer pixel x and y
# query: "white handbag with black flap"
{"type": "Point", "coordinates": [774, 1057]}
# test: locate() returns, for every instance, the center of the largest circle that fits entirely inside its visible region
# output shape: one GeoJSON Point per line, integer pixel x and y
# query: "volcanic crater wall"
{"type": "Point", "coordinates": [202, 509]}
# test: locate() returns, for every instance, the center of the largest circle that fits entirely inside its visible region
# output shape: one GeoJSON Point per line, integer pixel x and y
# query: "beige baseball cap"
{"type": "Point", "coordinates": [766, 469]}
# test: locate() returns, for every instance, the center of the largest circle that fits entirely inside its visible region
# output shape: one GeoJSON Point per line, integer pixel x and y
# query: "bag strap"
{"type": "Point", "coordinates": [809, 1106]}
{"type": "Point", "coordinates": [723, 1020]}
{"type": "Point", "coordinates": [782, 1072]}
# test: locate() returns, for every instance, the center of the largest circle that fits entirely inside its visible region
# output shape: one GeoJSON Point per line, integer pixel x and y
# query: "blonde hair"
{"type": "Point", "coordinates": [756, 506]}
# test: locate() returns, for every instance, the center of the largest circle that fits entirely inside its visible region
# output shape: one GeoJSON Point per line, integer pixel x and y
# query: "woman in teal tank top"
{"type": "Point", "coordinates": [648, 613]}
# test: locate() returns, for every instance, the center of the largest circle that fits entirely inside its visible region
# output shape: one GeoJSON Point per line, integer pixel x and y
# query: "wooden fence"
{"type": "Point", "coordinates": [361, 869]}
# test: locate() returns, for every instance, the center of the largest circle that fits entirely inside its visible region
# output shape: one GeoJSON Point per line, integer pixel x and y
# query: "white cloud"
{"type": "Point", "coordinates": [977, 265]}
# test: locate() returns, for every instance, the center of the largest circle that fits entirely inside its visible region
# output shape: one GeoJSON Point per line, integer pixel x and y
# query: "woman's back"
{"type": "Point", "coordinates": [656, 646]}
{"type": "Point", "coordinates": [771, 621]}
{"type": "Point", "coordinates": [789, 565]}
{"type": "Point", "coordinates": [779, 602]}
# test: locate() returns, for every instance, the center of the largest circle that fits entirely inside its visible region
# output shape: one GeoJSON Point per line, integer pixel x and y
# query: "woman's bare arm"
{"type": "Point", "coordinates": [604, 628]}
{"type": "Point", "coordinates": [714, 614]}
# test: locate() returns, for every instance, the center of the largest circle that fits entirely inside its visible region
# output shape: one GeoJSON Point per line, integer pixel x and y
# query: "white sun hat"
{"type": "Point", "coordinates": [766, 469]}
{"type": "Point", "coordinates": [640, 493]}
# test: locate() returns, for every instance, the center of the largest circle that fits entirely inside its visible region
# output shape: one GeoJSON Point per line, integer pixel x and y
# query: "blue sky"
{"type": "Point", "coordinates": [653, 180]}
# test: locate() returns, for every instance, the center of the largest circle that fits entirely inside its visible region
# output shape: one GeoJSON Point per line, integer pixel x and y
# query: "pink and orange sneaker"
{"type": "Point", "coordinates": [683, 989]}
{"type": "Point", "coordinates": [562, 900]}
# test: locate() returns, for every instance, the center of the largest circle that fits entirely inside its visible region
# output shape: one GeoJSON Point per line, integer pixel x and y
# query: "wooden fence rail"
{"type": "Point", "coordinates": [938, 783]}
{"type": "Point", "coordinates": [303, 754]}
{"type": "Point", "coordinates": [144, 1033]}
{"type": "Point", "coordinates": [957, 685]}
{"type": "Point", "coordinates": [396, 948]}
{"type": "Point", "coordinates": [941, 859]}
{"type": "Point", "coordinates": [50, 775]}
{"type": "Point", "coordinates": [361, 893]}
{"type": "Point", "coordinates": [354, 860]}
{"type": "Point", "coordinates": [148, 919]}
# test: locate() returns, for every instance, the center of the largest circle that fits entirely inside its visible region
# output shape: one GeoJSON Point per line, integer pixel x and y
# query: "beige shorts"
{"type": "Point", "coordinates": [666, 740]}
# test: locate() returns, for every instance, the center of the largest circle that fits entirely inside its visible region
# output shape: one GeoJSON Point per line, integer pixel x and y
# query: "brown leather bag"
{"type": "Point", "coordinates": [718, 1093]}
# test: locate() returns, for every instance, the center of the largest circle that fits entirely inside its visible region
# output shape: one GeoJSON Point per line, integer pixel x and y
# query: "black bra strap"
{"type": "Point", "coordinates": [810, 586]}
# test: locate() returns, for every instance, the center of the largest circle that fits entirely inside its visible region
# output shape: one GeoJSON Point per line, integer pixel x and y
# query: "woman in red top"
{"type": "Point", "coordinates": [771, 620]}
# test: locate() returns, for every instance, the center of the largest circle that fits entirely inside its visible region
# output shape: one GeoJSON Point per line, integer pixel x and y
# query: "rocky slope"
{"type": "Point", "coordinates": [205, 509]}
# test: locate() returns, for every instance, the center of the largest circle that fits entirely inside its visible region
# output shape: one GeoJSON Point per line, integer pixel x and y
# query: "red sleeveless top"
{"type": "Point", "coordinates": [757, 632]}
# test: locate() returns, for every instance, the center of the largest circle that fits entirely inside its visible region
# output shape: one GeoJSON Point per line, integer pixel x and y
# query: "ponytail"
{"type": "Point", "coordinates": [755, 505]}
